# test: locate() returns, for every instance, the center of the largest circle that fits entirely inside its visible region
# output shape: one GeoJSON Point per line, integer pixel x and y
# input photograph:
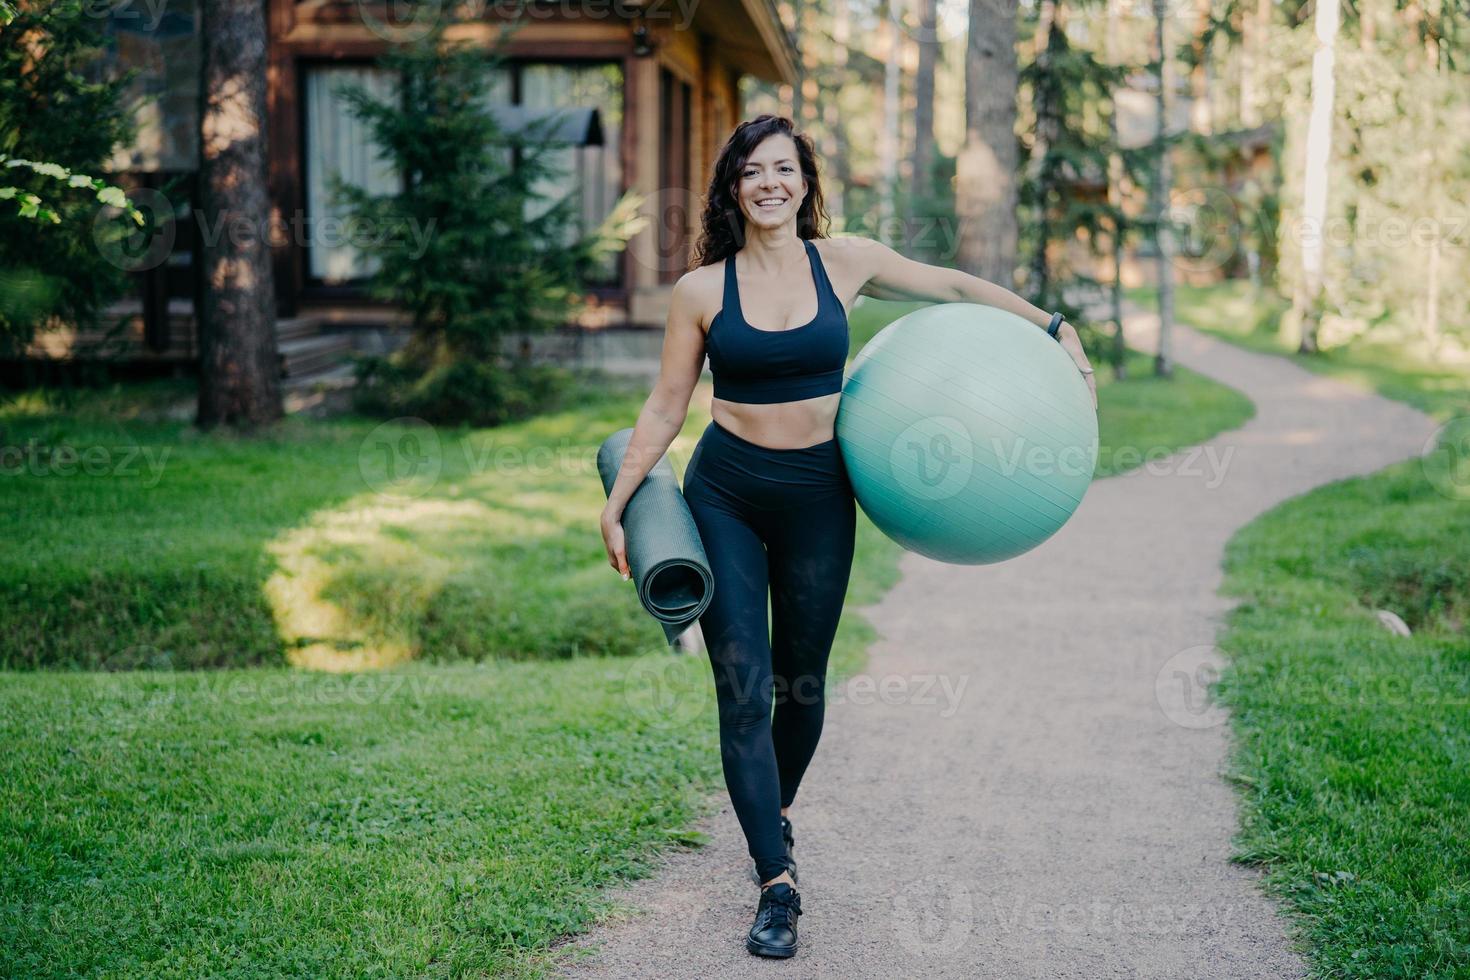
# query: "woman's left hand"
{"type": "Point", "coordinates": [1072, 344]}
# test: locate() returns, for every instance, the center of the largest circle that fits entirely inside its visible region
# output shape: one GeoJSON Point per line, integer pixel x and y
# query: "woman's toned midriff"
{"type": "Point", "coordinates": [781, 425]}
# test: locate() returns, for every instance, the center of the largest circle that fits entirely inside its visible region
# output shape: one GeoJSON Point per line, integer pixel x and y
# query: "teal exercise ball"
{"type": "Point", "coordinates": [968, 433]}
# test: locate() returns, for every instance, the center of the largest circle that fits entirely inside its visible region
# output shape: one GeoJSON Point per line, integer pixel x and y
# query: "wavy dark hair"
{"type": "Point", "coordinates": [724, 222]}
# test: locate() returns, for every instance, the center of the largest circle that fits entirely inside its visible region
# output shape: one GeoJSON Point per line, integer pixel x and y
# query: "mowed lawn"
{"type": "Point", "coordinates": [1352, 747]}
{"type": "Point", "coordinates": [497, 731]}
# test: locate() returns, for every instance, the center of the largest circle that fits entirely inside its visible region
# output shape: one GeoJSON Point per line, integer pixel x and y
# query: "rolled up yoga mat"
{"type": "Point", "coordinates": [666, 558]}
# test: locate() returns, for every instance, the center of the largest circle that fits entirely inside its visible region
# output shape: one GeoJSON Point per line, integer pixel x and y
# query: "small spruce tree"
{"type": "Point", "coordinates": [454, 247]}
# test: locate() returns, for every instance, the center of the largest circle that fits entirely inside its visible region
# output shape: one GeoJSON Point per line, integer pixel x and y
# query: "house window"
{"type": "Point", "coordinates": [338, 143]}
{"type": "Point", "coordinates": [591, 174]}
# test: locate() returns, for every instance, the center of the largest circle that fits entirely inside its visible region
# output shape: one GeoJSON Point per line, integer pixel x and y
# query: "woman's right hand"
{"type": "Point", "coordinates": [612, 538]}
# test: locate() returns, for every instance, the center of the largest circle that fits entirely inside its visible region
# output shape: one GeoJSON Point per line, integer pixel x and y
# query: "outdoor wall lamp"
{"type": "Point", "coordinates": [642, 46]}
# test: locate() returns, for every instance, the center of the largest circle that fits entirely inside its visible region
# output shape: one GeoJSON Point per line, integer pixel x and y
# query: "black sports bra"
{"type": "Point", "coordinates": [765, 366]}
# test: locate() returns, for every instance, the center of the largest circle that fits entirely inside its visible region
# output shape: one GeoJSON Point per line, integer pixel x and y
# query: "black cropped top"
{"type": "Point", "coordinates": [765, 366]}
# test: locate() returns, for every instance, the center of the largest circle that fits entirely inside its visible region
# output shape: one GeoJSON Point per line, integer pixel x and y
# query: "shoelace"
{"type": "Point", "coordinates": [778, 907]}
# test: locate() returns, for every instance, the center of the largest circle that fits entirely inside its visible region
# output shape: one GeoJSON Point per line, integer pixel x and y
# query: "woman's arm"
{"type": "Point", "coordinates": [889, 275]}
{"type": "Point", "coordinates": [662, 416]}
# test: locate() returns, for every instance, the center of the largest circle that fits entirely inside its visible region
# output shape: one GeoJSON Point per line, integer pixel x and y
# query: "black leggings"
{"type": "Point", "coordinates": [783, 519]}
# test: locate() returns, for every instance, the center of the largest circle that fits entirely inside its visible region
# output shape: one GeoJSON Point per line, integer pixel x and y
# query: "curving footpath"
{"type": "Point", "coordinates": [1026, 782]}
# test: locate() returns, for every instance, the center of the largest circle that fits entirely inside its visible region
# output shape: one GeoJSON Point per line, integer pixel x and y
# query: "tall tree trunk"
{"type": "Point", "coordinates": [1257, 32]}
{"type": "Point", "coordinates": [985, 180]}
{"type": "Point", "coordinates": [798, 92]}
{"type": "Point", "coordinates": [1307, 300]}
{"type": "Point", "coordinates": [923, 156]}
{"type": "Point", "coordinates": [831, 110]}
{"type": "Point", "coordinates": [1162, 185]}
{"type": "Point", "coordinates": [1118, 355]}
{"type": "Point", "coordinates": [239, 381]}
{"type": "Point", "coordinates": [888, 151]}
{"type": "Point", "coordinates": [1047, 128]}
{"type": "Point", "coordinates": [1201, 110]}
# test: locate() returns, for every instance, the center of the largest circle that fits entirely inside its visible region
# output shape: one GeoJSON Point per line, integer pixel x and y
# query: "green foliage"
{"type": "Point", "coordinates": [30, 205]}
{"type": "Point", "coordinates": [1398, 204]}
{"type": "Point", "coordinates": [468, 249]}
{"type": "Point", "coordinates": [55, 107]}
{"type": "Point", "coordinates": [1349, 742]}
{"type": "Point", "coordinates": [458, 389]}
{"type": "Point", "coordinates": [1068, 91]}
{"type": "Point", "coordinates": [930, 213]}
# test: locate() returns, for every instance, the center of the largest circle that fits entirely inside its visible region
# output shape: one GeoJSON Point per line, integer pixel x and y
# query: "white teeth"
{"type": "Point", "coordinates": [770, 202]}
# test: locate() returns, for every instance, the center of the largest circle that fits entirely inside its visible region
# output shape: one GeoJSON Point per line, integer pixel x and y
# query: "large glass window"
{"type": "Point", "coordinates": [338, 143]}
{"type": "Point", "coordinates": [592, 174]}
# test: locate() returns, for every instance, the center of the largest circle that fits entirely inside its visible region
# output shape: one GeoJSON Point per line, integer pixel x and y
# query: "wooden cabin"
{"type": "Point", "coordinates": [660, 85]}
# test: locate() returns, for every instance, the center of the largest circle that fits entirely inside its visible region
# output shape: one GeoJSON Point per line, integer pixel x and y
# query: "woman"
{"type": "Point", "coordinates": [766, 484]}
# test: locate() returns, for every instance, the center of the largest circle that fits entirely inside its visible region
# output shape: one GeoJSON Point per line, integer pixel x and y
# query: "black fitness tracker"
{"type": "Point", "coordinates": [1054, 326]}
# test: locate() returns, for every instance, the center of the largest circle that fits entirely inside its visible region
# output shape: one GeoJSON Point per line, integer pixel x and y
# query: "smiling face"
{"type": "Point", "coordinates": [771, 186]}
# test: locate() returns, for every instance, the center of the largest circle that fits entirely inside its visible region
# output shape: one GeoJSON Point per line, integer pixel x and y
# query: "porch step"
{"type": "Point", "coordinates": [309, 355]}
{"type": "Point", "coordinates": [297, 327]}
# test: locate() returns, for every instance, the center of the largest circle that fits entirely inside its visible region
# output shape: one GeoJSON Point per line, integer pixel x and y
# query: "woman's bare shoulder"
{"type": "Point", "coordinates": [704, 287]}
{"type": "Point", "coordinates": [845, 253]}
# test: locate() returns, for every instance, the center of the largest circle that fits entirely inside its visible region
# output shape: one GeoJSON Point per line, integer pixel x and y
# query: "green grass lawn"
{"type": "Point", "coordinates": [525, 740]}
{"type": "Point", "coordinates": [1352, 745]}
{"type": "Point", "coordinates": [1233, 311]}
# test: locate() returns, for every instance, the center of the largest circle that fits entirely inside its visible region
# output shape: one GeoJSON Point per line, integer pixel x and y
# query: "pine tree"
{"type": "Point", "coordinates": [1070, 92]}
{"type": "Point", "coordinates": [466, 247]}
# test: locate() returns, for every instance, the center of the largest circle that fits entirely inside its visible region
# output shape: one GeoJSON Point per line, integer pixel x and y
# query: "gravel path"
{"type": "Point", "coordinates": [1026, 781]}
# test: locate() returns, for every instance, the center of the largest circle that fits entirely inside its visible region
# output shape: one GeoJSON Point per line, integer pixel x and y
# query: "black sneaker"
{"type": "Point", "coordinates": [774, 931]}
{"type": "Point", "coordinates": [790, 840]}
